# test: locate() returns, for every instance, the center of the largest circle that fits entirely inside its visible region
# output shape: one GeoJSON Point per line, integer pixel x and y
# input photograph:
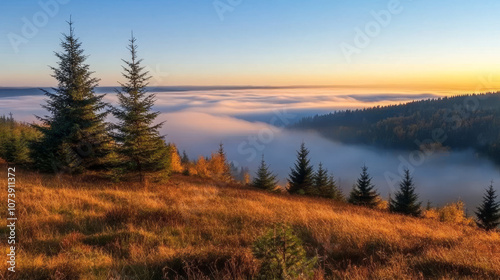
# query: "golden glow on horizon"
{"type": "Point", "coordinates": [392, 78]}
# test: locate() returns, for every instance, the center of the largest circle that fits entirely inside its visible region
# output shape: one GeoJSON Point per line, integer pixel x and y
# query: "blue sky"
{"type": "Point", "coordinates": [441, 44]}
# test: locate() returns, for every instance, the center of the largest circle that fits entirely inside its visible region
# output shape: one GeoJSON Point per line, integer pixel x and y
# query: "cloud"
{"type": "Point", "coordinates": [198, 124]}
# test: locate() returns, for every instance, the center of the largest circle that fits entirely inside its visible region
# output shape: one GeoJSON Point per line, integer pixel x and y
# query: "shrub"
{"type": "Point", "coordinates": [201, 167]}
{"type": "Point", "coordinates": [282, 255]}
{"type": "Point", "coordinates": [451, 213]}
{"type": "Point", "coordinates": [381, 204]}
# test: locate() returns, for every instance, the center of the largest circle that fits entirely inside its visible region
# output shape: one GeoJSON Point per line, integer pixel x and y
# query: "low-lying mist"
{"type": "Point", "coordinates": [250, 123]}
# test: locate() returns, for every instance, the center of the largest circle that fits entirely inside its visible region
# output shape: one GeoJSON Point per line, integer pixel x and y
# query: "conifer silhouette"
{"type": "Point", "coordinates": [488, 213]}
{"type": "Point", "coordinates": [301, 178]}
{"type": "Point", "coordinates": [264, 178]}
{"type": "Point", "coordinates": [364, 193]}
{"type": "Point", "coordinates": [406, 200]}
{"type": "Point", "coordinates": [140, 144]}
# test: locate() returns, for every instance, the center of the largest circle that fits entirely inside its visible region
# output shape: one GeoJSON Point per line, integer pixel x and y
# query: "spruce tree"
{"type": "Point", "coordinates": [429, 205]}
{"type": "Point", "coordinates": [16, 149]}
{"type": "Point", "coordinates": [74, 134]}
{"type": "Point", "coordinates": [301, 178]}
{"type": "Point", "coordinates": [325, 185]}
{"type": "Point", "coordinates": [406, 200]}
{"type": "Point", "coordinates": [140, 144]}
{"type": "Point", "coordinates": [226, 168]}
{"type": "Point", "coordinates": [488, 214]}
{"type": "Point", "coordinates": [282, 255]}
{"type": "Point", "coordinates": [185, 157]}
{"type": "Point", "coordinates": [321, 180]}
{"type": "Point", "coordinates": [364, 193]}
{"type": "Point", "coordinates": [336, 192]}
{"type": "Point", "coordinates": [265, 179]}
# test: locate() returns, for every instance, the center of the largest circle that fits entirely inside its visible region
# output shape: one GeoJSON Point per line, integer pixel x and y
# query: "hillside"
{"type": "Point", "coordinates": [86, 228]}
{"type": "Point", "coordinates": [460, 122]}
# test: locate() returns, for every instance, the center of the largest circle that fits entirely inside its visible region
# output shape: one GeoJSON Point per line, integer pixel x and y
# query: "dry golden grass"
{"type": "Point", "coordinates": [86, 228]}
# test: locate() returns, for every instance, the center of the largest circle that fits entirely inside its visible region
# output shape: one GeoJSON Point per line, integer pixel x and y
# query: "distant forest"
{"type": "Point", "coordinates": [450, 123]}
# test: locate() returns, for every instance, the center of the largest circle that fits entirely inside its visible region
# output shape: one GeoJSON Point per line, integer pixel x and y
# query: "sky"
{"type": "Point", "coordinates": [423, 46]}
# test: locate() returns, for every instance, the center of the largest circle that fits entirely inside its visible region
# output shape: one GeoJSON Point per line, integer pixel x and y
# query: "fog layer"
{"type": "Point", "coordinates": [250, 122]}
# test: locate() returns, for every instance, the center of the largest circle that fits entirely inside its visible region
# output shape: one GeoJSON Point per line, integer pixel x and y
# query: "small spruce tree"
{"type": "Point", "coordinates": [140, 144]}
{"type": "Point", "coordinates": [185, 157]}
{"type": "Point", "coordinates": [282, 255]}
{"type": "Point", "coordinates": [15, 138]}
{"type": "Point", "coordinates": [301, 178]}
{"type": "Point", "coordinates": [321, 180]}
{"type": "Point", "coordinates": [325, 184]}
{"type": "Point", "coordinates": [226, 168]}
{"type": "Point", "coordinates": [488, 213]}
{"type": "Point", "coordinates": [406, 200]}
{"type": "Point", "coordinates": [429, 205]}
{"type": "Point", "coordinates": [364, 193]}
{"type": "Point", "coordinates": [264, 178]}
{"type": "Point", "coordinates": [336, 192]}
{"type": "Point", "coordinates": [16, 149]}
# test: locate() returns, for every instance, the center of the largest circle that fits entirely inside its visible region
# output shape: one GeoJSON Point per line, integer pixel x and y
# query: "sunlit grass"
{"type": "Point", "coordinates": [86, 228]}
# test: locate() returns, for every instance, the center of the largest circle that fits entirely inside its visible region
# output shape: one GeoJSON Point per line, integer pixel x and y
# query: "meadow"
{"type": "Point", "coordinates": [186, 227]}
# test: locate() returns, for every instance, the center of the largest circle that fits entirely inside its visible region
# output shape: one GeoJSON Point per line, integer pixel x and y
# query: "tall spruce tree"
{"type": "Point", "coordinates": [406, 200]}
{"type": "Point", "coordinates": [140, 144]}
{"type": "Point", "coordinates": [301, 178]}
{"type": "Point", "coordinates": [74, 134]}
{"type": "Point", "coordinates": [264, 178]}
{"type": "Point", "coordinates": [364, 193]}
{"type": "Point", "coordinates": [488, 213]}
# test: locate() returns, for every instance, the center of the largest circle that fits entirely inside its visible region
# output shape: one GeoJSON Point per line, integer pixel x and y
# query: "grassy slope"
{"type": "Point", "coordinates": [71, 229]}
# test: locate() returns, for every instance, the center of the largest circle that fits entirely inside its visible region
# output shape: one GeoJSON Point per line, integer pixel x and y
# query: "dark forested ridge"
{"type": "Point", "coordinates": [456, 123]}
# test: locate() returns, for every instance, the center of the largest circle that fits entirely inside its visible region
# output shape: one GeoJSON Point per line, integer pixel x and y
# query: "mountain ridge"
{"type": "Point", "coordinates": [456, 123]}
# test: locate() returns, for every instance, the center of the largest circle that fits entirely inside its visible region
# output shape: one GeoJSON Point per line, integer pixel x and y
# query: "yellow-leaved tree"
{"type": "Point", "coordinates": [175, 159]}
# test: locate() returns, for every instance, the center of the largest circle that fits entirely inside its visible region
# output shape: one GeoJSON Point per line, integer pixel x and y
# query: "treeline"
{"type": "Point", "coordinates": [460, 122]}
{"type": "Point", "coordinates": [15, 138]}
{"type": "Point", "coordinates": [303, 180]}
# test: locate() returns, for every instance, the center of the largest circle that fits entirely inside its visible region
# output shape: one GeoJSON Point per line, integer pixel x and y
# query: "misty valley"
{"type": "Point", "coordinates": [449, 144]}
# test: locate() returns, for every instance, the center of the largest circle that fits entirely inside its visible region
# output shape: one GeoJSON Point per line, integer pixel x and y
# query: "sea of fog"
{"type": "Point", "coordinates": [250, 123]}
